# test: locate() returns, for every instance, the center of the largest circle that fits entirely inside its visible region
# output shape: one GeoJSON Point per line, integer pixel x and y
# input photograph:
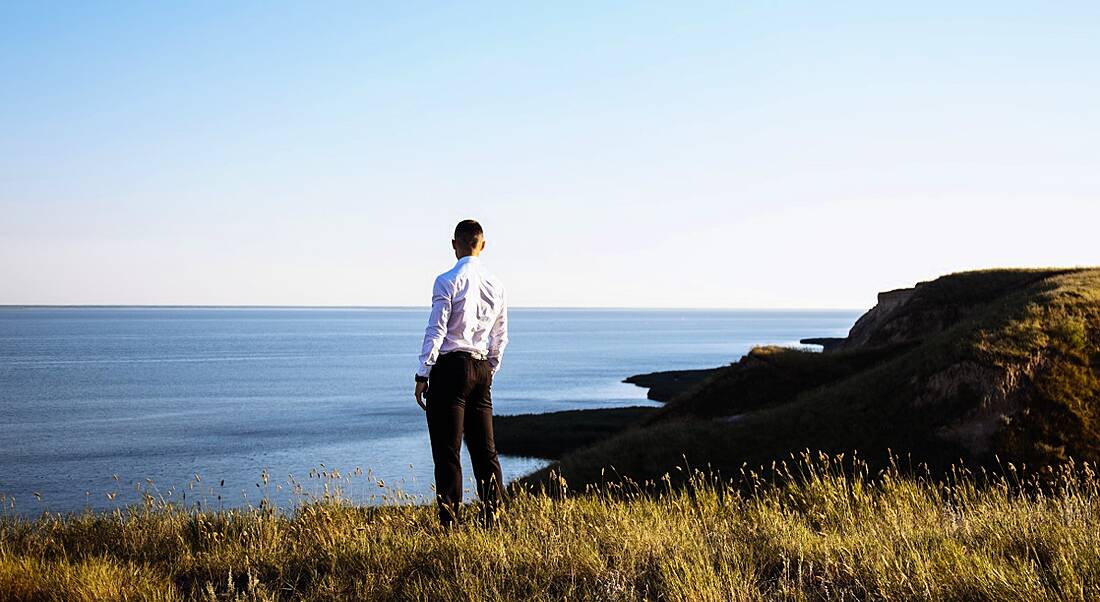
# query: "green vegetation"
{"type": "Point", "coordinates": [770, 376]}
{"type": "Point", "coordinates": [972, 367]}
{"type": "Point", "coordinates": [818, 528]}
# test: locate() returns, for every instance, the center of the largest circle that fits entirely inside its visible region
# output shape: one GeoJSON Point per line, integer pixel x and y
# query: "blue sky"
{"type": "Point", "coordinates": [730, 154]}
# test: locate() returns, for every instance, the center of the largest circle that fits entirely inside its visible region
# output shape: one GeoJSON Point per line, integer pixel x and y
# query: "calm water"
{"type": "Point", "coordinates": [88, 394]}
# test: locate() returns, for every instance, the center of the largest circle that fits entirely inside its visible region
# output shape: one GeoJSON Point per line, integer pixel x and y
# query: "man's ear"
{"type": "Point", "coordinates": [482, 246]}
{"type": "Point", "coordinates": [454, 244]}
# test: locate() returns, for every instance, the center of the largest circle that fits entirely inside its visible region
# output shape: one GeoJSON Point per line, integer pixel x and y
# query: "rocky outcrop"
{"type": "Point", "coordinates": [876, 321]}
{"type": "Point", "coordinates": [996, 394]}
{"type": "Point", "coordinates": [826, 343]}
{"type": "Point", "coordinates": [663, 386]}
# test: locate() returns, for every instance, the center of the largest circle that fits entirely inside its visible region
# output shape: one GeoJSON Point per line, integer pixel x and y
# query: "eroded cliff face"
{"type": "Point", "coordinates": [874, 323]}
{"type": "Point", "coordinates": [995, 394]}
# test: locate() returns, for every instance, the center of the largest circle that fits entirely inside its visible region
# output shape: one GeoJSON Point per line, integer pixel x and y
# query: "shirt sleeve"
{"type": "Point", "coordinates": [498, 338]}
{"type": "Point", "coordinates": [437, 326]}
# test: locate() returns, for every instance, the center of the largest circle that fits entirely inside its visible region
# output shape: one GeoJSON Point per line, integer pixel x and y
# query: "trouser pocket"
{"type": "Point", "coordinates": [451, 378]}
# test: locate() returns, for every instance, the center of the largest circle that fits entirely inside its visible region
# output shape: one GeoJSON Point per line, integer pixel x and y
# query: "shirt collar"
{"type": "Point", "coordinates": [468, 259]}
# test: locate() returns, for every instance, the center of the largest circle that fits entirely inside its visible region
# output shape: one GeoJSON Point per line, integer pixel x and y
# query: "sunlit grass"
{"type": "Point", "coordinates": [818, 528]}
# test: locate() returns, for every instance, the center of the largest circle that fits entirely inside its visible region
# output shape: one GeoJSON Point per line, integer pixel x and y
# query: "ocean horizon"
{"type": "Point", "coordinates": [196, 404]}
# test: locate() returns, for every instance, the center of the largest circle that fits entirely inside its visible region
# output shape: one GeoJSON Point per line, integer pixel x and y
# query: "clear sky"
{"type": "Point", "coordinates": [726, 154]}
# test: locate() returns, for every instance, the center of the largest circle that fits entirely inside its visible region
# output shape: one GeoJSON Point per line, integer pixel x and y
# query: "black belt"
{"type": "Point", "coordinates": [469, 354]}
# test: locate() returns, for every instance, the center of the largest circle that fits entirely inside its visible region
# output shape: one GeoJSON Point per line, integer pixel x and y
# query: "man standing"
{"type": "Point", "coordinates": [466, 335]}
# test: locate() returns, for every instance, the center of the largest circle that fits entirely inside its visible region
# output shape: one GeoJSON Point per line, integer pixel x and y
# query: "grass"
{"type": "Point", "coordinates": [819, 528]}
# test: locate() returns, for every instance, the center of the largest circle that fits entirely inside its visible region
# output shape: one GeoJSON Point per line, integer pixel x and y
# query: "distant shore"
{"type": "Point", "coordinates": [552, 434]}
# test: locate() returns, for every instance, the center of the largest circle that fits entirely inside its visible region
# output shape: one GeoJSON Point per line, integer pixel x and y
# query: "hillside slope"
{"type": "Point", "coordinates": [972, 366]}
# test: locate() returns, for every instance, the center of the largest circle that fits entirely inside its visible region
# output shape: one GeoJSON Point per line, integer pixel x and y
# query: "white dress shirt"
{"type": "Point", "coordinates": [468, 314]}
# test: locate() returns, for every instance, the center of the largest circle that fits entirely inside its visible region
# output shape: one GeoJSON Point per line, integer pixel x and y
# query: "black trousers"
{"type": "Point", "coordinates": [459, 401]}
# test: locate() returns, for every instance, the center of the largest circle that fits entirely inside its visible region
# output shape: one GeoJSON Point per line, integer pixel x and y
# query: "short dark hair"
{"type": "Point", "coordinates": [468, 232]}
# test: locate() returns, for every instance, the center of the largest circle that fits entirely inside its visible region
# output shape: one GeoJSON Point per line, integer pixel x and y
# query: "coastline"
{"type": "Point", "coordinates": [550, 435]}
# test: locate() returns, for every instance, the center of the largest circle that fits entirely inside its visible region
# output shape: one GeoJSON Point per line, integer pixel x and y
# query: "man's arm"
{"type": "Point", "coordinates": [437, 326]}
{"type": "Point", "coordinates": [498, 338]}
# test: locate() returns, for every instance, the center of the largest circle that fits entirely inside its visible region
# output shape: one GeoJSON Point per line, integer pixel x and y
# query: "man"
{"type": "Point", "coordinates": [466, 335]}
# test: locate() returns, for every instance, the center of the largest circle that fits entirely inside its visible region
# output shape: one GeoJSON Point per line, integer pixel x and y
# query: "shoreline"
{"type": "Point", "coordinates": [550, 435]}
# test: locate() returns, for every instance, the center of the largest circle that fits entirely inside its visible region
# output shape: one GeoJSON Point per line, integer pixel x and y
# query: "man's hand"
{"type": "Point", "coordinates": [418, 392]}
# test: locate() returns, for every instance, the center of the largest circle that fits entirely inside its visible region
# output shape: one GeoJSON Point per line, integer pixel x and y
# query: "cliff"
{"type": "Point", "coordinates": [979, 367]}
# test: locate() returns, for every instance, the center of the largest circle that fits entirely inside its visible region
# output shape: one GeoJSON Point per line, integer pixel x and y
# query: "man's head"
{"type": "Point", "coordinates": [469, 239]}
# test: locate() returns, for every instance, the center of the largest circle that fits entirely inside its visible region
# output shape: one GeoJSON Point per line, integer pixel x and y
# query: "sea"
{"type": "Point", "coordinates": [213, 407]}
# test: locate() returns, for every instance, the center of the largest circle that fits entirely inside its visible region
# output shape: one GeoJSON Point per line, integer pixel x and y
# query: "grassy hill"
{"type": "Point", "coordinates": [978, 367]}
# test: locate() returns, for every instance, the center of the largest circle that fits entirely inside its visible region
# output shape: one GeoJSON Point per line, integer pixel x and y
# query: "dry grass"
{"type": "Point", "coordinates": [823, 528]}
